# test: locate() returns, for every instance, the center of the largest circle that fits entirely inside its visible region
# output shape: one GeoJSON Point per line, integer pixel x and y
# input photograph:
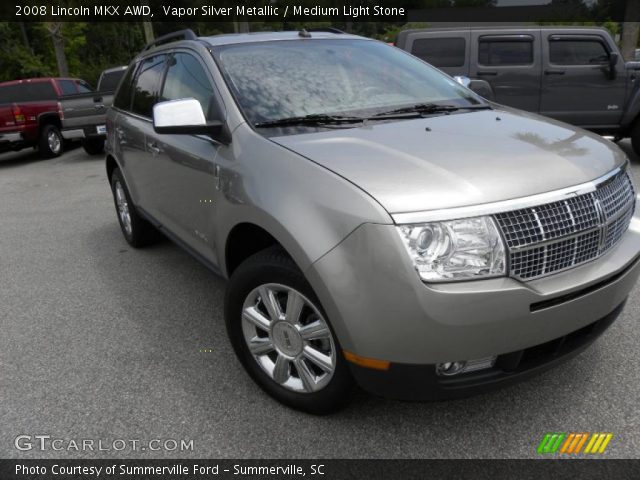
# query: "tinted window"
{"type": "Point", "coordinates": [123, 95]}
{"type": "Point", "coordinates": [441, 52]}
{"type": "Point", "coordinates": [186, 78]}
{"type": "Point", "coordinates": [505, 52]}
{"type": "Point", "coordinates": [84, 87]}
{"type": "Point", "coordinates": [68, 87]}
{"type": "Point", "coordinates": [147, 85]}
{"type": "Point", "coordinates": [577, 52]}
{"type": "Point", "coordinates": [27, 92]}
{"type": "Point", "coordinates": [109, 81]}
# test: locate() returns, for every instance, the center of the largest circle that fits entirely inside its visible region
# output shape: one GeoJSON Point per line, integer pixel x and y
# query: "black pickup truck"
{"type": "Point", "coordinates": [83, 114]}
{"type": "Point", "coordinates": [573, 74]}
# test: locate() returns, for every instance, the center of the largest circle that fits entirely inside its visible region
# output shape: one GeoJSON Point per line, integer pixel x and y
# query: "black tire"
{"type": "Point", "coordinates": [274, 266]}
{"type": "Point", "coordinates": [635, 138]}
{"type": "Point", "coordinates": [55, 147]}
{"type": "Point", "coordinates": [93, 146]}
{"type": "Point", "coordinates": [141, 233]}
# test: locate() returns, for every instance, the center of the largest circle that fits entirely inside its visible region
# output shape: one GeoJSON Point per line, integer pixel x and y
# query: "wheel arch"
{"type": "Point", "coordinates": [249, 237]}
{"type": "Point", "coordinates": [49, 118]}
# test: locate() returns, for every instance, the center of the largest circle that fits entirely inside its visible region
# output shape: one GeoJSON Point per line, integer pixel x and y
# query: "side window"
{"type": "Point", "coordinates": [186, 78]}
{"type": "Point", "coordinates": [147, 85]}
{"type": "Point", "coordinates": [497, 52]}
{"type": "Point", "coordinates": [38, 91]}
{"type": "Point", "coordinates": [577, 52]}
{"type": "Point", "coordinates": [441, 52]}
{"type": "Point", "coordinates": [122, 97]}
{"type": "Point", "coordinates": [84, 87]}
{"type": "Point", "coordinates": [68, 87]}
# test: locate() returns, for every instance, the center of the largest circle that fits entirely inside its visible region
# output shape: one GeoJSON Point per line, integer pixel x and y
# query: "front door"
{"type": "Point", "coordinates": [577, 85]}
{"type": "Point", "coordinates": [511, 64]}
{"type": "Point", "coordinates": [186, 171]}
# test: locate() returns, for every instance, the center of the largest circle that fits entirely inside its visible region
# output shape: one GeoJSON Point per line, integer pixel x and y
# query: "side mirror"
{"type": "Point", "coordinates": [462, 80]}
{"type": "Point", "coordinates": [481, 87]}
{"type": "Point", "coordinates": [185, 117]}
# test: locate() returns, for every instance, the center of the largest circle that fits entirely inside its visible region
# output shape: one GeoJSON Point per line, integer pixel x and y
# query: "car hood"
{"type": "Point", "coordinates": [461, 159]}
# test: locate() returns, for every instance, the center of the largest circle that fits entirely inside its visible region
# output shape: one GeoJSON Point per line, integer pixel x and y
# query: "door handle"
{"type": "Point", "coordinates": [487, 72]}
{"type": "Point", "coordinates": [98, 107]}
{"type": "Point", "coordinates": [554, 72]}
{"type": "Point", "coordinates": [153, 148]}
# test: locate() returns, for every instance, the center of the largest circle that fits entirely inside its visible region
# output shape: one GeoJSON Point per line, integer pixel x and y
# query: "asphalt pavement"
{"type": "Point", "coordinates": [99, 341]}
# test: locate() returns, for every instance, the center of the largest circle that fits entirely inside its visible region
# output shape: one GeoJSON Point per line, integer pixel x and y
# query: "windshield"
{"type": "Point", "coordinates": [285, 79]}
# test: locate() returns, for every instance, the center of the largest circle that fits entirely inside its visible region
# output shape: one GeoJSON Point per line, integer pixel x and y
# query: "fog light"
{"type": "Point", "coordinates": [448, 369]}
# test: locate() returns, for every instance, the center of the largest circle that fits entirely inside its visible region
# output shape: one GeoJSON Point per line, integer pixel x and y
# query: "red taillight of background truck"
{"type": "Point", "coordinates": [18, 116]}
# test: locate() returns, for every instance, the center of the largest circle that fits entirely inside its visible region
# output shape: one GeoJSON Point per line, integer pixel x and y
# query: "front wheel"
{"type": "Point", "coordinates": [282, 336]}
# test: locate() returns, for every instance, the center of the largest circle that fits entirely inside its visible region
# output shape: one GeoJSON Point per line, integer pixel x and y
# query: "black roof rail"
{"type": "Point", "coordinates": [186, 34]}
{"type": "Point", "coordinates": [325, 29]}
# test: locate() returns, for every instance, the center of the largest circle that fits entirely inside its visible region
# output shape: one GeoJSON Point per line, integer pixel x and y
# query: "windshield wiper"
{"type": "Point", "coordinates": [431, 108]}
{"type": "Point", "coordinates": [314, 119]}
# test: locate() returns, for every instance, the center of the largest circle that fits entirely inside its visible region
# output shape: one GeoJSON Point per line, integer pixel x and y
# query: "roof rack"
{"type": "Point", "coordinates": [186, 34]}
{"type": "Point", "coordinates": [325, 29]}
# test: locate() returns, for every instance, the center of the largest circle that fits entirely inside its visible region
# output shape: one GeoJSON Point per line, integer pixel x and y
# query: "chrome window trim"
{"type": "Point", "coordinates": [502, 206]}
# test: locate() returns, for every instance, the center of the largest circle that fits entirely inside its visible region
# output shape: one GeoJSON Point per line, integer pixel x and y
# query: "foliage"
{"type": "Point", "coordinates": [91, 47]}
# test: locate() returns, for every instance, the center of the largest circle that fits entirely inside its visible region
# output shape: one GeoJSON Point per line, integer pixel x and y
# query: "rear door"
{"type": "Point", "coordinates": [135, 138]}
{"type": "Point", "coordinates": [448, 51]}
{"type": "Point", "coordinates": [82, 108]}
{"type": "Point", "coordinates": [511, 62]}
{"type": "Point", "coordinates": [576, 85]}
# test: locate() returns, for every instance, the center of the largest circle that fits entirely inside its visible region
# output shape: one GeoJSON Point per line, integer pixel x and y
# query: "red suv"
{"type": "Point", "coordinates": [31, 114]}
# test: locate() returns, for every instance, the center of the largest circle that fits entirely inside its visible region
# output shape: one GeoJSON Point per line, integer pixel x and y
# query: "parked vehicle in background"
{"type": "Point", "coordinates": [110, 78]}
{"type": "Point", "coordinates": [84, 113]}
{"type": "Point", "coordinates": [573, 74]}
{"type": "Point", "coordinates": [31, 113]}
{"type": "Point", "coordinates": [637, 56]}
{"type": "Point", "coordinates": [379, 223]}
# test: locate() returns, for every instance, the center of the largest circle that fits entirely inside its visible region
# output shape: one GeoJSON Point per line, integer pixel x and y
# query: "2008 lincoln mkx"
{"type": "Point", "coordinates": [380, 224]}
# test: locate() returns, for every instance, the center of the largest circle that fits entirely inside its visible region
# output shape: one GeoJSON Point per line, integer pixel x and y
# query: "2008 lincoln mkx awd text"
{"type": "Point", "coordinates": [380, 224]}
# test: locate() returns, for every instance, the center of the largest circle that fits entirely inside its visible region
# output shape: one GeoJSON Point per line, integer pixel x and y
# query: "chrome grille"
{"type": "Point", "coordinates": [549, 238]}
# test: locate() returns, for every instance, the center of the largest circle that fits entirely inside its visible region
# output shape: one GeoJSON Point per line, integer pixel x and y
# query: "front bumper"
{"type": "Point", "coordinates": [420, 382]}
{"type": "Point", "coordinates": [380, 309]}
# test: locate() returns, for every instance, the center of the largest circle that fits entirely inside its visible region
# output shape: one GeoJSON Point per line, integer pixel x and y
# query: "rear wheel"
{"type": "Point", "coordinates": [136, 230]}
{"type": "Point", "coordinates": [50, 143]}
{"type": "Point", "coordinates": [282, 336]}
{"type": "Point", "coordinates": [93, 146]}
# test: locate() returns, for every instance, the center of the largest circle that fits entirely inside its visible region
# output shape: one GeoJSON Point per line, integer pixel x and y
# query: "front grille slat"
{"type": "Point", "coordinates": [556, 236]}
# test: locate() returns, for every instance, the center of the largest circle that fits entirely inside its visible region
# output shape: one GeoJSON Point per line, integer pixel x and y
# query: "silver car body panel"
{"type": "Point", "coordinates": [381, 309]}
{"type": "Point", "coordinates": [330, 199]}
{"type": "Point", "coordinates": [464, 159]}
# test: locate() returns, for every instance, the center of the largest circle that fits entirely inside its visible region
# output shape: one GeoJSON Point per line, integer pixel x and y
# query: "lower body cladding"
{"type": "Point", "coordinates": [438, 341]}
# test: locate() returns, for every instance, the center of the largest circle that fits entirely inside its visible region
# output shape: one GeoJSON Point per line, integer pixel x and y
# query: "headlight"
{"type": "Point", "coordinates": [466, 249]}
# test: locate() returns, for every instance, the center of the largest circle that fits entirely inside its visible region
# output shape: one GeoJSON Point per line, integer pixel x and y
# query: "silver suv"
{"type": "Point", "coordinates": [380, 224]}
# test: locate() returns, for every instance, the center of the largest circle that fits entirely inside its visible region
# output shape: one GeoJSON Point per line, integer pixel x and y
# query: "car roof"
{"type": "Point", "coordinates": [515, 26]}
{"type": "Point", "coordinates": [236, 38]}
{"type": "Point", "coordinates": [35, 80]}
{"type": "Point", "coordinates": [114, 69]}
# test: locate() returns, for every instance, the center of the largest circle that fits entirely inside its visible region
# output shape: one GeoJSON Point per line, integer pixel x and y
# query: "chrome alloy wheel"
{"type": "Point", "coordinates": [54, 142]}
{"type": "Point", "coordinates": [289, 338]}
{"type": "Point", "coordinates": [123, 208]}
